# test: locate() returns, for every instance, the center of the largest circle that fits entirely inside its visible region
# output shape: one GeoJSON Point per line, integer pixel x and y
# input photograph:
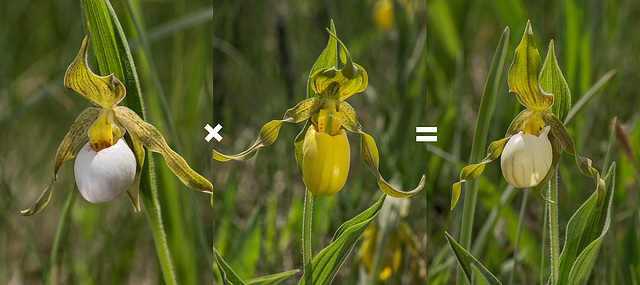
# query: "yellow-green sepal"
{"type": "Point", "coordinates": [134, 190]}
{"type": "Point", "coordinates": [327, 59]}
{"type": "Point", "coordinates": [472, 171]}
{"type": "Point", "coordinates": [150, 137]}
{"type": "Point", "coordinates": [334, 83]}
{"type": "Point", "coordinates": [298, 143]}
{"type": "Point", "coordinates": [103, 91]}
{"type": "Point", "coordinates": [524, 73]}
{"type": "Point", "coordinates": [552, 80]}
{"type": "Point", "coordinates": [78, 133]}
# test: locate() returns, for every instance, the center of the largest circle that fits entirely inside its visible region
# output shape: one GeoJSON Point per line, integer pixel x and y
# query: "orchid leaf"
{"type": "Point", "coordinates": [524, 73]}
{"type": "Point", "coordinates": [272, 279]}
{"type": "Point", "coordinates": [552, 81]}
{"type": "Point", "coordinates": [150, 137]}
{"type": "Point", "coordinates": [78, 133]}
{"type": "Point", "coordinates": [229, 277]}
{"type": "Point", "coordinates": [104, 91]}
{"type": "Point", "coordinates": [465, 260]}
{"type": "Point", "coordinates": [371, 159]}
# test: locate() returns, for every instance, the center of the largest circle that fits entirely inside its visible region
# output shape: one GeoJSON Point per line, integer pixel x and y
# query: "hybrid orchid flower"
{"type": "Point", "coordinates": [321, 148]}
{"type": "Point", "coordinates": [536, 137]}
{"type": "Point", "coordinates": [111, 162]}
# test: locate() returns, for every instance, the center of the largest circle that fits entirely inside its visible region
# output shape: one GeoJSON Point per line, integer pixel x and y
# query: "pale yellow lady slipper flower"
{"type": "Point", "coordinates": [536, 137]}
{"type": "Point", "coordinates": [111, 162]}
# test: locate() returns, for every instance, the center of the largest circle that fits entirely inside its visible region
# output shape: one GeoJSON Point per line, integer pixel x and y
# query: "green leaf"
{"type": "Point", "coordinates": [585, 232]}
{"type": "Point", "coordinates": [552, 81]}
{"type": "Point", "coordinates": [465, 260]}
{"type": "Point", "coordinates": [103, 37]}
{"type": "Point", "coordinates": [228, 275]}
{"type": "Point", "coordinates": [326, 264]}
{"type": "Point", "coordinates": [272, 279]}
{"type": "Point", "coordinates": [327, 59]}
{"type": "Point", "coordinates": [524, 73]}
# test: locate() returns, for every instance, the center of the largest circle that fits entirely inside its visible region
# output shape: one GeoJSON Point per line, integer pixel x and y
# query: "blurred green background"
{"type": "Point", "coordinates": [237, 63]}
{"type": "Point", "coordinates": [591, 38]}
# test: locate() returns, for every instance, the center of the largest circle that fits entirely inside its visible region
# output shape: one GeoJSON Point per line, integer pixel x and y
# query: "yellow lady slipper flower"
{"type": "Point", "coordinates": [321, 148]}
{"type": "Point", "coordinates": [536, 137]}
{"type": "Point", "coordinates": [111, 162]}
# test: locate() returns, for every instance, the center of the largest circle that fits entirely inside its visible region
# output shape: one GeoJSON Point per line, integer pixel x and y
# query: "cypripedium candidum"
{"type": "Point", "coordinates": [321, 148]}
{"type": "Point", "coordinates": [536, 137]}
{"type": "Point", "coordinates": [111, 162]}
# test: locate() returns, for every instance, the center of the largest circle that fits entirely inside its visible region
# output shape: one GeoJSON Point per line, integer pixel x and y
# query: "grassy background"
{"type": "Point", "coordinates": [591, 38]}
{"type": "Point", "coordinates": [241, 65]}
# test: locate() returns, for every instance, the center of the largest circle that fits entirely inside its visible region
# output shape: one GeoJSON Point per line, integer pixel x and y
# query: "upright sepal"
{"type": "Point", "coordinates": [524, 73]}
{"type": "Point", "coordinates": [104, 91]}
{"type": "Point", "coordinates": [552, 80]}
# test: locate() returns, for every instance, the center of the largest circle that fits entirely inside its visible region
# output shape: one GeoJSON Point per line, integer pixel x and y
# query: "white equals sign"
{"type": "Point", "coordinates": [427, 130]}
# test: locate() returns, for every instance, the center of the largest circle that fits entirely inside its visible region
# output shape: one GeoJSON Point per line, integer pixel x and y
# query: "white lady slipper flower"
{"type": "Point", "coordinates": [103, 175]}
{"type": "Point", "coordinates": [526, 159]}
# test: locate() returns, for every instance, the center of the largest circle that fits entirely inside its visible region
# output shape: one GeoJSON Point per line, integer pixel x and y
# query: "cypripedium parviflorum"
{"type": "Point", "coordinates": [536, 137]}
{"type": "Point", "coordinates": [322, 148]}
{"type": "Point", "coordinates": [111, 162]}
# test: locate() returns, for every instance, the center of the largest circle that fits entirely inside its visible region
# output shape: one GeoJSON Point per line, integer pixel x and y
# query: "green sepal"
{"type": "Point", "coordinates": [78, 133]}
{"type": "Point", "coordinates": [134, 190]}
{"type": "Point", "coordinates": [328, 58]}
{"type": "Point", "coordinates": [524, 73]}
{"type": "Point", "coordinates": [103, 91]}
{"type": "Point", "coordinates": [472, 171]}
{"type": "Point", "coordinates": [334, 83]}
{"type": "Point", "coordinates": [552, 80]}
{"type": "Point", "coordinates": [298, 142]}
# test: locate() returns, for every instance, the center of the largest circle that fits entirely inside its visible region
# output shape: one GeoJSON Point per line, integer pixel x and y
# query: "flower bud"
{"type": "Point", "coordinates": [102, 176]}
{"type": "Point", "coordinates": [526, 159]}
{"type": "Point", "coordinates": [325, 161]}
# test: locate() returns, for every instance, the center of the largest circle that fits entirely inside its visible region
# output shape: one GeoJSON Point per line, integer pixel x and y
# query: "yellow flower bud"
{"type": "Point", "coordinates": [526, 158]}
{"type": "Point", "coordinates": [325, 161]}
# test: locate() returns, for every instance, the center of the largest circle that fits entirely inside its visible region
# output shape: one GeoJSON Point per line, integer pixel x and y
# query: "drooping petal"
{"type": "Point", "coordinates": [371, 159]}
{"type": "Point", "coordinates": [559, 131]}
{"type": "Point", "coordinates": [104, 175]}
{"type": "Point", "coordinates": [472, 171]}
{"type": "Point", "coordinates": [526, 159]}
{"type": "Point", "coordinates": [524, 73]}
{"type": "Point", "coordinates": [77, 134]}
{"type": "Point", "coordinates": [269, 132]}
{"type": "Point", "coordinates": [149, 136]}
{"type": "Point", "coordinates": [104, 91]}
{"type": "Point", "coordinates": [325, 162]}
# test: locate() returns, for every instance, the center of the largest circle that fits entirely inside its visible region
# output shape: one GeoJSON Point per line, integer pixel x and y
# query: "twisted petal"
{"type": "Point", "coordinates": [472, 171]}
{"type": "Point", "coordinates": [524, 73]}
{"type": "Point", "coordinates": [149, 136]}
{"type": "Point", "coordinates": [103, 175]}
{"type": "Point", "coordinates": [104, 91]}
{"type": "Point", "coordinates": [560, 132]}
{"type": "Point", "coordinates": [269, 132]}
{"type": "Point", "coordinates": [134, 190]}
{"type": "Point", "coordinates": [76, 135]}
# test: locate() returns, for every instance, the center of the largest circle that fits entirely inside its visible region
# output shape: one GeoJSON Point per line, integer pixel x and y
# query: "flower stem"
{"type": "Point", "coordinates": [149, 195]}
{"type": "Point", "coordinates": [553, 229]}
{"type": "Point", "coordinates": [523, 207]}
{"type": "Point", "coordinates": [306, 229]}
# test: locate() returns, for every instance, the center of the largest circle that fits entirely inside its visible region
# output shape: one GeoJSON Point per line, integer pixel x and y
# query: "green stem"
{"type": "Point", "coordinates": [149, 196]}
{"type": "Point", "coordinates": [553, 229]}
{"type": "Point", "coordinates": [523, 207]}
{"type": "Point", "coordinates": [306, 229]}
